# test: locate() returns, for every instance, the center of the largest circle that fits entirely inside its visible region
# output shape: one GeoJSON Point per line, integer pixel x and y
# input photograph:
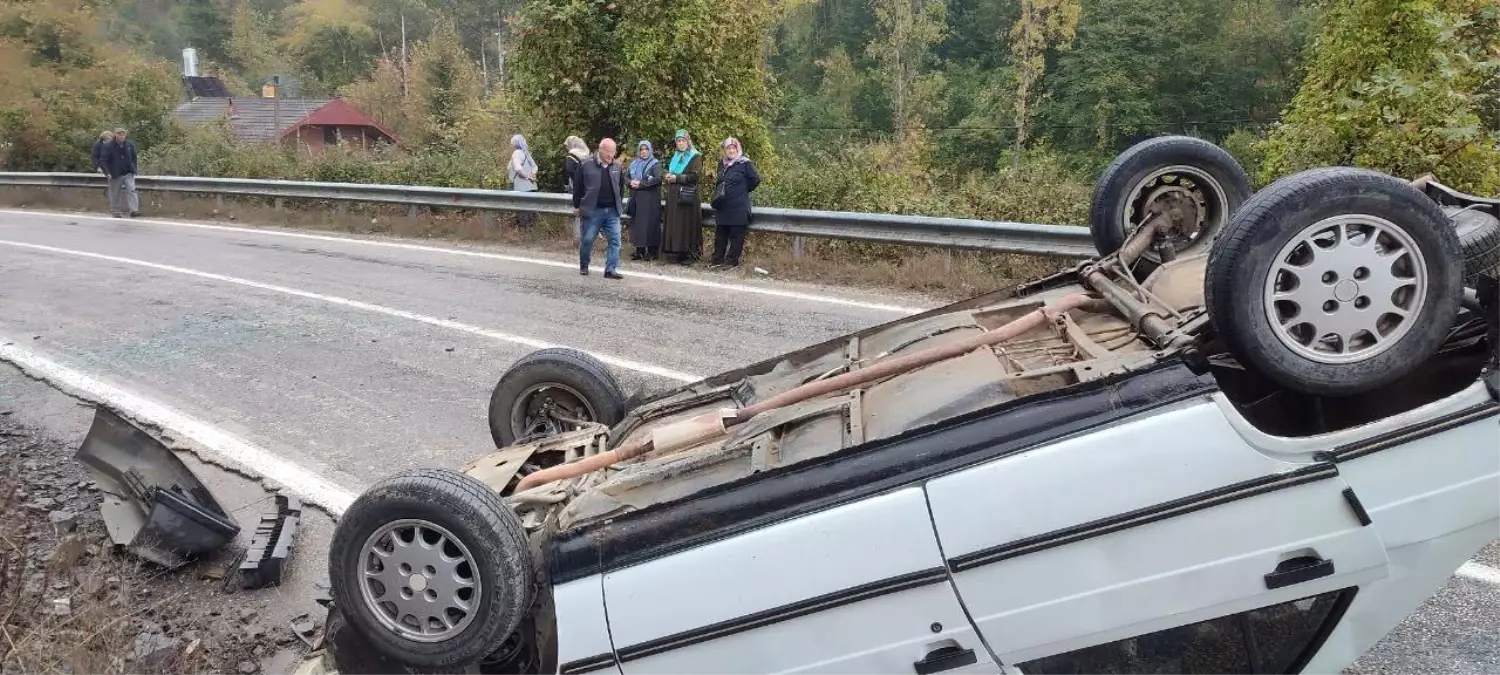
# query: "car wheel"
{"type": "Point", "coordinates": [1479, 237]}
{"type": "Point", "coordinates": [1199, 179]}
{"type": "Point", "coordinates": [548, 391]}
{"type": "Point", "coordinates": [431, 569]}
{"type": "Point", "coordinates": [1334, 281]}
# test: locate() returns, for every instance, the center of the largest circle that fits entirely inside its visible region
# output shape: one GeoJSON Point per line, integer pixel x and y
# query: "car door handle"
{"type": "Point", "coordinates": [945, 658]}
{"type": "Point", "coordinates": [1298, 570]}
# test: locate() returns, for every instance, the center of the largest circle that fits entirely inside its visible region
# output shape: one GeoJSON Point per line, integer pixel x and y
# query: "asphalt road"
{"type": "Point", "coordinates": [356, 359]}
{"type": "Point", "coordinates": [352, 392]}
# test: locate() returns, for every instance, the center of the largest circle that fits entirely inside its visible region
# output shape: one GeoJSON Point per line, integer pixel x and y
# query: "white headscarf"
{"type": "Point", "coordinates": [528, 165]}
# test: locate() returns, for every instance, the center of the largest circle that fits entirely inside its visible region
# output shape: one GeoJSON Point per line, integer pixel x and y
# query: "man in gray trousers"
{"type": "Point", "coordinates": [120, 165]}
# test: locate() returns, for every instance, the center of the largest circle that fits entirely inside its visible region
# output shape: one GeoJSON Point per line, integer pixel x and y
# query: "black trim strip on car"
{"type": "Point", "coordinates": [1357, 506]}
{"type": "Point", "coordinates": [785, 612]}
{"type": "Point", "coordinates": [591, 663]}
{"type": "Point", "coordinates": [1142, 516]}
{"type": "Point", "coordinates": [876, 467]}
{"type": "Point", "coordinates": [1427, 428]}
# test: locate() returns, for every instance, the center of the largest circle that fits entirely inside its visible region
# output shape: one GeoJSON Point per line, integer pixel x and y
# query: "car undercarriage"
{"type": "Point", "coordinates": [1199, 288]}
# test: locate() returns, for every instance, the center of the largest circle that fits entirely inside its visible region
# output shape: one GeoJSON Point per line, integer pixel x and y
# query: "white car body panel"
{"type": "Point", "coordinates": [766, 570]}
{"type": "Point", "coordinates": [1114, 533]}
{"type": "Point", "coordinates": [1435, 501]}
{"type": "Point", "coordinates": [582, 626]}
{"type": "Point", "coordinates": [1113, 584]}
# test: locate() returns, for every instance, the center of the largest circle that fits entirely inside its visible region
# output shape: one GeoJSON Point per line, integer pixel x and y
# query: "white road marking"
{"type": "Point", "coordinates": [1479, 572]}
{"type": "Point", "coordinates": [379, 309]}
{"type": "Point", "coordinates": [295, 478]}
{"type": "Point", "coordinates": [739, 288]}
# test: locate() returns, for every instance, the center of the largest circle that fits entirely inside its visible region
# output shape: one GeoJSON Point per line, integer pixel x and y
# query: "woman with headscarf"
{"type": "Point", "coordinates": [522, 170]}
{"type": "Point", "coordinates": [683, 231]}
{"type": "Point", "coordinates": [644, 177]}
{"type": "Point", "coordinates": [731, 202]}
{"type": "Point", "coordinates": [578, 151]}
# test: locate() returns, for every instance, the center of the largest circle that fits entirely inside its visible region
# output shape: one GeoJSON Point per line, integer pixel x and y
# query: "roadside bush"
{"type": "Point", "coordinates": [1398, 85]}
{"type": "Point", "coordinates": [211, 151]}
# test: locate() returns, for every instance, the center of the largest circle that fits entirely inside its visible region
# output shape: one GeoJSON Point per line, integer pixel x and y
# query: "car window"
{"type": "Point", "coordinates": [1276, 639]}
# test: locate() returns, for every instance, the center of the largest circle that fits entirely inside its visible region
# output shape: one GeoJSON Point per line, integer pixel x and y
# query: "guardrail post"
{"type": "Point", "coordinates": [219, 202]}
{"type": "Point", "coordinates": [487, 220]}
{"type": "Point", "coordinates": [276, 204]}
{"type": "Point", "coordinates": [342, 208]}
{"type": "Point", "coordinates": [948, 261]}
{"type": "Point", "coordinates": [796, 248]}
{"type": "Point", "coordinates": [411, 213]}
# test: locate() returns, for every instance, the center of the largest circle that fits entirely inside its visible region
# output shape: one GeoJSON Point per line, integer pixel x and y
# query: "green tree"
{"type": "Point", "coordinates": [1043, 25]}
{"type": "Point", "coordinates": [906, 33]}
{"type": "Point", "coordinates": [446, 85]}
{"type": "Point", "coordinates": [252, 43]}
{"type": "Point", "coordinates": [643, 69]}
{"type": "Point", "coordinates": [1397, 85]}
{"type": "Point", "coordinates": [331, 41]}
{"type": "Point", "coordinates": [62, 82]}
{"type": "Point", "coordinates": [206, 24]}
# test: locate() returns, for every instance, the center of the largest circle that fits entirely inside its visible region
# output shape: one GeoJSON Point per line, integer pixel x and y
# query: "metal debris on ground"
{"type": "Point", "coordinates": [266, 559]}
{"type": "Point", "coordinates": [152, 505]}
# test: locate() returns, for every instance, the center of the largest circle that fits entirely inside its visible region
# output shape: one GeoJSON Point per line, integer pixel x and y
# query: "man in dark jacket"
{"type": "Point", "coordinates": [119, 165]}
{"type": "Point", "coordinates": [599, 198]}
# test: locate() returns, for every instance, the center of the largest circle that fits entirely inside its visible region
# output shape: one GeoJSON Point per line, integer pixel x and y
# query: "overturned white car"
{"type": "Point", "coordinates": [1251, 437]}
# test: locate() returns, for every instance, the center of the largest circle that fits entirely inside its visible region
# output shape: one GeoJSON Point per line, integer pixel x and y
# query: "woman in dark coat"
{"type": "Point", "coordinates": [683, 233]}
{"type": "Point", "coordinates": [645, 203]}
{"type": "Point", "coordinates": [732, 204]}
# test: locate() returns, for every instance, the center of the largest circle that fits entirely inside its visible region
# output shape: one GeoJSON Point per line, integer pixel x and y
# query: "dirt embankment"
{"type": "Point", "coordinates": [70, 603]}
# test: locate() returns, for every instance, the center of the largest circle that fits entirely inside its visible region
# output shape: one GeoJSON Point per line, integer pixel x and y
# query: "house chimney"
{"type": "Point", "coordinates": [189, 62]}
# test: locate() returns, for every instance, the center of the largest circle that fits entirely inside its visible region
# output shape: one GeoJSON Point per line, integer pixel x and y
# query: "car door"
{"type": "Point", "coordinates": [1428, 478]}
{"type": "Point", "coordinates": [1159, 539]}
{"type": "Point", "coordinates": [858, 588]}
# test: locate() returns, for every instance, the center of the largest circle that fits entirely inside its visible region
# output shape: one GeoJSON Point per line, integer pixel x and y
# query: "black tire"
{"type": "Point", "coordinates": [1479, 237]}
{"type": "Point", "coordinates": [1241, 262]}
{"type": "Point", "coordinates": [1112, 204]}
{"type": "Point", "coordinates": [576, 374]}
{"type": "Point", "coordinates": [478, 518]}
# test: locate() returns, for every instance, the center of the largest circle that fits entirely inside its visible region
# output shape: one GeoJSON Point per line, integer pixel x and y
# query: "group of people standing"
{"type": "Point", "coordinates": [664, 205]}
{"type": "Point", "coordinates": [115, 157]}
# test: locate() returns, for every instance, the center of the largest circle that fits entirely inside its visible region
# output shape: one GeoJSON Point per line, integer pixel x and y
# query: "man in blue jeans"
{"type": "Point", "coordinates": [599, 199]}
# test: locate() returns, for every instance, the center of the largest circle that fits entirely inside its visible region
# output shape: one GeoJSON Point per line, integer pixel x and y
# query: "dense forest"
{"type": "Point", "coordinates": [993, 108]}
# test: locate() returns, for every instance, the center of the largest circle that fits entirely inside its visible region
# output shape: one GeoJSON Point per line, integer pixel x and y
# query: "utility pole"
{"type": "Point", "coordinates": [500, 57]}
{"type": "Point", "coordinates": [404, 90]}
{"type": "Point", "coordinates": [484, 67]}
{"type": "Point", "coordinates": [276, 103]}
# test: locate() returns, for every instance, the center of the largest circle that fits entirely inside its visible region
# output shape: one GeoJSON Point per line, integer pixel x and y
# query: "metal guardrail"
{"type": "Point", "coordinates": [952, 233]}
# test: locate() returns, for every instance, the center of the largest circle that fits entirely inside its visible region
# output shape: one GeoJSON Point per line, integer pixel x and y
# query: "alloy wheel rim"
{"type": "Point", "coordinates": [419, 580]}
{"type": "Point", "coordinates": [1346, 289]}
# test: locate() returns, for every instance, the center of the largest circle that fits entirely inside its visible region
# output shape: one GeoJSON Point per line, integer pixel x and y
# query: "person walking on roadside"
{"type": "Point", "coordinates": [737, 179]}
{"type": "Point", "coordinates": [120, 165]}
{"type": "Point", "coordinates": [683, 230]}
{"type": "Point", "coordinates": [522, 170]}
{"type": "Point", "coordinates": [100, 146]}
{"type": "Point", "coordinates": [598, 196]}
{"type": "Point", "coordinates": [645, 203]}
{"type": "Point", "coordinates": [578, 153]}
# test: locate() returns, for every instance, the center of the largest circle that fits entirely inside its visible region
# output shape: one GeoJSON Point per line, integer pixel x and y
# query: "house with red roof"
{"type": "Point", "coordinates": [336, 122]}
{"type": "Point", "coordinates": [310, 124]}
